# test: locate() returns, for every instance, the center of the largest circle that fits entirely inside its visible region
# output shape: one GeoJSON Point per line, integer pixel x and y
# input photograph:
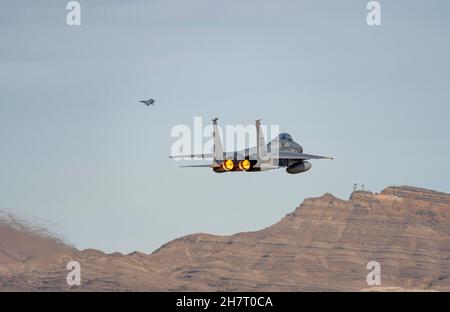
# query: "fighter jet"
{"type": "Point", "coordinates": [281, 152]}
{"type": "Point", "coordinates": [148, 102]}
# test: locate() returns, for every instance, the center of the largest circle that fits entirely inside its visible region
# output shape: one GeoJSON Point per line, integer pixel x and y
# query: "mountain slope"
{"type": "Point", "coordinates": [325, 244]}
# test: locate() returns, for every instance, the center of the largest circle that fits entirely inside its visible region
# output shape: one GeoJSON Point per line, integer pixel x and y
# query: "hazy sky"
{"type": "Point", "coordinates": [79, 152]}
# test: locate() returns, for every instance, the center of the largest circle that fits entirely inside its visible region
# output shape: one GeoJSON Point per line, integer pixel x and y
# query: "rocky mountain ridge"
{"type": "Point", "coordinates": [324, 245]}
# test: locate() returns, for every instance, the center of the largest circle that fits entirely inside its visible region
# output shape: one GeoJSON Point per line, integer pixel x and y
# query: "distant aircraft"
{"type": "Point", "coordinates": [280, 152]}
{"type": "Point", "coordinates": [148, 102]}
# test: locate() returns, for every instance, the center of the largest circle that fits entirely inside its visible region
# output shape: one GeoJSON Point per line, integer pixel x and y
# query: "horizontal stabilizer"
{"type": "Point", "coordinates": [207, 156]}
{"type": "Point", "coordinates": [197, 166]}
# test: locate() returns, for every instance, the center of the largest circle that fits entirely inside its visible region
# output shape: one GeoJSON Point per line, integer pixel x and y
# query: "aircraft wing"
{"type": "Point", "coordinates": [296, 155]}
{"type": "Point", "coordinates": [208, 156]}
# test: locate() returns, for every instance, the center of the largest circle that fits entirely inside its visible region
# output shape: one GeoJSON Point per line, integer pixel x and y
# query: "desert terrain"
{"type": "Point", "coordinates": [323, 245]}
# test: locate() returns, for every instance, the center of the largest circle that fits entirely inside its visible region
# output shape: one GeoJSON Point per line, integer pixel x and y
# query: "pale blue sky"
{"type": "Point", "coordinates": [78, 151]}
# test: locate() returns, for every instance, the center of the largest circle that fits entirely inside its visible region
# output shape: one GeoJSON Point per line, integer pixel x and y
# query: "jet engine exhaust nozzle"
{"type": "Point", "coordinates": [245, 165]}
{"type": "Point", "coordinates": [228, 164]}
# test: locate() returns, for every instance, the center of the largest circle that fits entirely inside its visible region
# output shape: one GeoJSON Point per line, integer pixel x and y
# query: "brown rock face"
{"type": "Point", "coordinates": [324, 245]}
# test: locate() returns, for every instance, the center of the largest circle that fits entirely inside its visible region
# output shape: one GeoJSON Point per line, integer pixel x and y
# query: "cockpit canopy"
{"type": "Point", "coordinates": [284, 141]}
{"type": "Point", "coordinates": [285, 137]}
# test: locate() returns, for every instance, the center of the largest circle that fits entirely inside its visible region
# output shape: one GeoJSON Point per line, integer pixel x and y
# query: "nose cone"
{"type": "Point", "coordinates": [307, 165]}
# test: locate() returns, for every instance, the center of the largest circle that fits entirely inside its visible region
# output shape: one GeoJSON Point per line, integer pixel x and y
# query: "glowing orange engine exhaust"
{"type": "Point", "coordinates": [244, 165]}
{"type": "Point", "coordinates": [228, 164]}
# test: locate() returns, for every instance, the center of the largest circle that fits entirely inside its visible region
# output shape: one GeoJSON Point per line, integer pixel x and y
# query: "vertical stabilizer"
{"type": "Point", "coordinates": [261, 147]}
{"type": "Point", "coordinates": [218, 150]}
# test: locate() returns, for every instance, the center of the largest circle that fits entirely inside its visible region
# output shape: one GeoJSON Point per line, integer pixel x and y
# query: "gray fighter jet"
{"type": "Point", "coordinates": [148, 102]}
{"type": "Point", "coordinates": [281, 152]}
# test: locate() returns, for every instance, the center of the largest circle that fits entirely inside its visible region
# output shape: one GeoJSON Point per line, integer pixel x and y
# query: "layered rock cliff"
{"type": "Point", "coordinates": [324, 245]}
